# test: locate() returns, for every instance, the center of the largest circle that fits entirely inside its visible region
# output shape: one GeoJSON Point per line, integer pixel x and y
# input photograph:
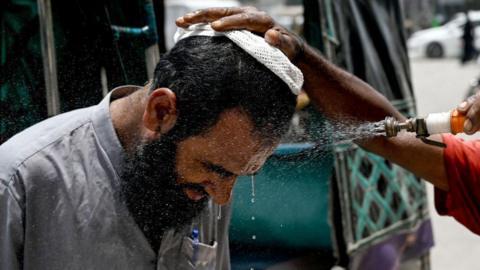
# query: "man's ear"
{"type": "Point", "coordinates": [160, 113]}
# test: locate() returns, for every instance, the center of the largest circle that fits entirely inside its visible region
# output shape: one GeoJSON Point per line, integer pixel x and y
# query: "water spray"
{"type": "Point", "coordinates": [434, 123]}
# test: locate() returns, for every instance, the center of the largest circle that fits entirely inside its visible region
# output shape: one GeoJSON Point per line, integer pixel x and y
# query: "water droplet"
{"type": "Point", "coordinates": [254, 237]}
{"type": "Point", "coordinates": [219, 216]}
{"type": "Point", "coordinates": [253, 185]}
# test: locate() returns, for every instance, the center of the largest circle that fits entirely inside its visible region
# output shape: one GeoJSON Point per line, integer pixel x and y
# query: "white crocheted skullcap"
{"type": "Point", "coordinates": [257, 47]}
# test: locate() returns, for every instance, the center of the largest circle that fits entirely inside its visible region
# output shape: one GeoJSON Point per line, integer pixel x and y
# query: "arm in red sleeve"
{"type": "Point", "coordinates": [462, 200]}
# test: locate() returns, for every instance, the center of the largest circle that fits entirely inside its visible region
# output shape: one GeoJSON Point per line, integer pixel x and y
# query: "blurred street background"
{"type": "Point", "coordinates": [440, 85]}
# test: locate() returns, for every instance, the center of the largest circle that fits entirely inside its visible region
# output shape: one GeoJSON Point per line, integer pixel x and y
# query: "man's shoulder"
{"type": "Point", "coordinates": [38, 139]}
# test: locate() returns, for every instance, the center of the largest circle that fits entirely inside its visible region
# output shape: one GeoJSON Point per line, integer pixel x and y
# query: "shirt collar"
{"type": "Point", "coordinates": [103, 125]}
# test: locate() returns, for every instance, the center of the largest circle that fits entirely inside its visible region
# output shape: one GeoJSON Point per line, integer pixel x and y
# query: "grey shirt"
{"type": "Point", "coordinates": [59, 205]}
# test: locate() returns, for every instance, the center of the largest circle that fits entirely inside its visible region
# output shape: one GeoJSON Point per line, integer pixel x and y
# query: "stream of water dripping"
{"type": "Point", "coordinates": [252, 200]}
{"type": "Point", "coordinates": [253, 188]}
{"type": "Point", "coordinates": [254, 237]}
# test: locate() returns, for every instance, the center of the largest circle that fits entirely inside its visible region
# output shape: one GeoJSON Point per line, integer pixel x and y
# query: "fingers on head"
{"type": "Point", "coordinates": [213, 14]}
{"type": "Point", "coordinates": [229, 18]}
{"type": "Point", "coordinates": [258, 22]}
{"type": "Point", "coordinates": [202, 15]}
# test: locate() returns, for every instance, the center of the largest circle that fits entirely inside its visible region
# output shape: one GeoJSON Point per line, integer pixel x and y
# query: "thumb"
{"type": "Point", "coordinates": [282, 41]}
{"type": "Point", "coordinates": [273, 37]}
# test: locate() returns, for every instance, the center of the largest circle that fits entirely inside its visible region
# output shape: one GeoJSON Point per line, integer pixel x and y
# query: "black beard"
{"type": "Point", "coordinates": [150, 190]}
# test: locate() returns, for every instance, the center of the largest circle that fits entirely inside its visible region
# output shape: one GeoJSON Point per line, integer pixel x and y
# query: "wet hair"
{"type": "Point", "coordinates": [210, 75]}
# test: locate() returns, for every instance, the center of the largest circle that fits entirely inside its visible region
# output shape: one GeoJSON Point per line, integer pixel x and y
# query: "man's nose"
{"type": "Point", "coordinates": [221, 192]}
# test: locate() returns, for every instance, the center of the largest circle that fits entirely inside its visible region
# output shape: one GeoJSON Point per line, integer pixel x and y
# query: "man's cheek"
{"type": "Point", "coordinates": [191, 175]}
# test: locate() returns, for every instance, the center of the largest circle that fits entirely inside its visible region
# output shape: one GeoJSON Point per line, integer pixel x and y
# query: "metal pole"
{"type": "Point", "coordinates": [152, 53]}
{"type": "Point", "coordinates": [49, 58]}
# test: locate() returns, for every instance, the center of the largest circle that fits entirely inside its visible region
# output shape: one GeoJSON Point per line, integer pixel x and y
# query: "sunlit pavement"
{"type": "Point", "coordinates": [439, 86]}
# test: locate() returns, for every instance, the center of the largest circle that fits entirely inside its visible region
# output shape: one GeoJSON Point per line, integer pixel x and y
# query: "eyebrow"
{"type": "Point", "coordinates": [218, 169]}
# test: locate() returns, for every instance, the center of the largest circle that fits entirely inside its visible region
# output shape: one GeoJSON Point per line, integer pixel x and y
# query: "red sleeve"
{"type": "Point", "coordinates": [462, 201]}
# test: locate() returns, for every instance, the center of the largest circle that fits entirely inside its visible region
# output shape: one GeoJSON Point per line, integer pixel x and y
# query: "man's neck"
{"type": "Point", "coordinates": [127, 114]}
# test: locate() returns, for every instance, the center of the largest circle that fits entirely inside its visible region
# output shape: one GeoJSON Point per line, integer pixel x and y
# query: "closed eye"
{"type": "Point", "coordinates": [224, 173]}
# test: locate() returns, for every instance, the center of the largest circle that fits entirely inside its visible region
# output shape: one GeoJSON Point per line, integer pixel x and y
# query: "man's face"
{"type": "Point", "coordinates": [213, 161]}
{"type": "Point", "coordinates": [167, 182]}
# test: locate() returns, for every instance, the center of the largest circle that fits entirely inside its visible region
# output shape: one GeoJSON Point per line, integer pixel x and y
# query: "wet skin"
{"type": "Point", "coordinates": [206, 164]}
{"type": "Point", "coordinates": [215, 160]}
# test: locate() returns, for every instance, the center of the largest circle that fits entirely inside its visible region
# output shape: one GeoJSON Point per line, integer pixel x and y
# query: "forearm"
{"type": "Point", "coordinates": [336, 93]}
{"type": "Point", "coordinates": [339, 94]}
{"type": "Point", "coordinates": [424, 160]}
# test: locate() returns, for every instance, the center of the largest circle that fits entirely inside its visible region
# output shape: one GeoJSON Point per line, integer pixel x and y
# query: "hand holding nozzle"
{"type": "Point", "coordinates": [435, 123]}
{"type": "Point", "coordinates": [416, 125]}
{"type": "Point", "coordinates": [471, 109]}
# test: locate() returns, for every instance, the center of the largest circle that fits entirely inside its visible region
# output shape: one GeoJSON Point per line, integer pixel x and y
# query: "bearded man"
{"type": "Point", "coordinates": [143, 179]}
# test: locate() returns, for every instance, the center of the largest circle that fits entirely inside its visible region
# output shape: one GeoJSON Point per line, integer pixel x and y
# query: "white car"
{"type": "Point", "coordinates": [443, 41]}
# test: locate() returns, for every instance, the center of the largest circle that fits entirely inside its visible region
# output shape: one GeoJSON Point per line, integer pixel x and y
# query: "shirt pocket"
{"type": "Point", "coordinates": [197, 255]}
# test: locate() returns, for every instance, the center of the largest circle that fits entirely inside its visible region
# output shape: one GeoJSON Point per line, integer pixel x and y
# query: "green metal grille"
{"type": "Point", "coordinates": [377, 197]}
